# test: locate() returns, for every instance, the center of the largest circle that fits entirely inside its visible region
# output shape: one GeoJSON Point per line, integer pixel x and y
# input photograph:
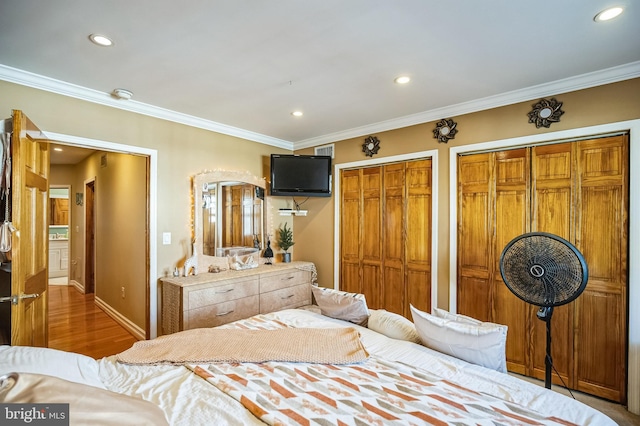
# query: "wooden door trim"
{"type": "Point", "coordinates": [633, 128]}
{"type": "Point", "coordinates": [436, 231]}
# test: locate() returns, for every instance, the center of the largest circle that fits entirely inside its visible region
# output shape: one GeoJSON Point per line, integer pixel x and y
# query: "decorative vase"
{"type": "Point", "coordinates": [286, 257]}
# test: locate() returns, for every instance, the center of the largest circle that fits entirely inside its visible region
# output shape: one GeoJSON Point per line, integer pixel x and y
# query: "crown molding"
{"type": "Point", "coordinates": [36, 81]}
{"type": "Point", "coordinates": [583, 81]}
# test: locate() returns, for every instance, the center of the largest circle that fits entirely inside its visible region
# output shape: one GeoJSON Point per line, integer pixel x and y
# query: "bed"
{"type": "Point", "coordinates": [398, 382]}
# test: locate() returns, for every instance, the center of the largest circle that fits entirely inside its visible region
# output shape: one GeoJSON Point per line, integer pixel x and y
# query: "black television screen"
{"type": "Point", "coordinates": [302, 175]}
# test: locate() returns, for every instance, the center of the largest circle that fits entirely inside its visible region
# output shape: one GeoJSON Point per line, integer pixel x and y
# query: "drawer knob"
{"type": "Point", "coordinates": [288, 278]}
{"type": "Point", "coordinates": [287, 297]}
{"type": "Point", "coordinates": [224, 313]}
{"type": "Point", "coordinates": [224, 291]}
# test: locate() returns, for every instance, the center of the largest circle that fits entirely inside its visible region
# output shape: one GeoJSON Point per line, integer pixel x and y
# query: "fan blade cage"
{"type": "Point", "coordinates": [543, 269]}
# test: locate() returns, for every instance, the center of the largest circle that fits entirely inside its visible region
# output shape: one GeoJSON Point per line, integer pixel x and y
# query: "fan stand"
{"type": "Point", "coordinates": [544, 313]}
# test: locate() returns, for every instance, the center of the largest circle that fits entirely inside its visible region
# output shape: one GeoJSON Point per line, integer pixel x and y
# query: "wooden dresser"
{"type": "Point", "coordinates": [212, 299]}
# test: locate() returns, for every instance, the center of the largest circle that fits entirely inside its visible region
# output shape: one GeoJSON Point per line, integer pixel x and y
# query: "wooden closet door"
{"type": "Point", "coordinates": [602, 237]}
{"type": "Point", "coordinates": [511, 218]}
{"type": "Point", "coordinates": [494, 209]}
{"type": "Point", "coordinates": [385, 235]}
{"type": "Point", "coordinates": [350, 199]}
{"type": "Point", "coordinates": [553, 199]}
{"type": "Point", "coordinates": [393, 238]}
{"type": "Point", "coordinates": [371, 240]}
{"type": "Point", "coordinates": [579, 191]}
{"type": "Point", "coordinates": [475, 226]}
{"type": "Point", "coordinates": [418, 236]}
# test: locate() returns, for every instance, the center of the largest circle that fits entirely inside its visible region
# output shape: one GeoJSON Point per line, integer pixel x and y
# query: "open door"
{"type": "Point", "coordinates": [29, 199]}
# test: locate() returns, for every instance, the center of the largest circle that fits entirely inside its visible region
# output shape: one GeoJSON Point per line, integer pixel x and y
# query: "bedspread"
{"type": "Point", "coordinates": [189, 400]}
{"type": "Point", "coordinates": [376, 392]}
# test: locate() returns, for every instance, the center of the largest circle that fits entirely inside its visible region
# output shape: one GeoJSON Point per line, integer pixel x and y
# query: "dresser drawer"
{"type": "Point", "coordinates": [209, 300]}
{"type": "Point", "coordinates": [221, 293]}
{"type": "Point", "coordinates": [222, 313]}
{"type": "Point", "coordinates": [290, 297]}
{"type": "Point", "coordinates": [286, 279]}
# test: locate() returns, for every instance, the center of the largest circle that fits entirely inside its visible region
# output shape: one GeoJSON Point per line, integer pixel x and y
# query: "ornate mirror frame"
{"type": "Point", "coordinates": [199, 180]}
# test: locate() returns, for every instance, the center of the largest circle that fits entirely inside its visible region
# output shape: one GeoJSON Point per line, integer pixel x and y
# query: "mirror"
{"type": "Point", "coordinates": [228, 213]}
{"type": "Point", "coordinates": [59, 204]}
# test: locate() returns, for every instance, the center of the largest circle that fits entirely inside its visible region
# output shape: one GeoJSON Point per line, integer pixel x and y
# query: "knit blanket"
{"type": "Point", "coordinates": [213, 345]}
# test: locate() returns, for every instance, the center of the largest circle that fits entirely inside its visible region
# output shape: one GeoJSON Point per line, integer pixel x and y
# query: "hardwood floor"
{"type": "Point", "coordinates": [77, 324]}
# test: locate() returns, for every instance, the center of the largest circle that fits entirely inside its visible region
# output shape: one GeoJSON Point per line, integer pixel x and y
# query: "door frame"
{"type": "Point", "coordinates": [151, 326]}
{"type": "Point", "coordinates": [435, 229]}
{"type": "Point", "coordinates": [89, 208]}
{"type": "Point", "coordinates": [631, 126]}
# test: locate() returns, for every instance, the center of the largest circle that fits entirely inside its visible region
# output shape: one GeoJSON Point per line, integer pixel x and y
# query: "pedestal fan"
{"type": "Point", "coordinates": [544, 270]}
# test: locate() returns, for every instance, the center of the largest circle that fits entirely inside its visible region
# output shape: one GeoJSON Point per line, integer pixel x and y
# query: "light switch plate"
{"type": "Point", "coordinates": [166, 238]}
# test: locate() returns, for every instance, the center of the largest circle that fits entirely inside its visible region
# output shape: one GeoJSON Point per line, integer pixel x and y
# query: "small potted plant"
{"type": "Point", "coordinates": [285, 240]}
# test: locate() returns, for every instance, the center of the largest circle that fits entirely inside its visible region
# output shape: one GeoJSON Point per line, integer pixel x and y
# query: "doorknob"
{"type": "Point", "coordinates": [15, 299]}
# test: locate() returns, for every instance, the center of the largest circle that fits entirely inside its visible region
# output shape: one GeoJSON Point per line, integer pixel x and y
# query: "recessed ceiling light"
{"type": "Point", "coordinates": [608, 14]}
{"type": "Point", "coordinates": [403, 79]}
{"type": "Point", "coordinates": [297, 113]}
{"type": "Point", "coordinates": [57, 149]}
{"type": "Point", "coordinates": [100, 40]}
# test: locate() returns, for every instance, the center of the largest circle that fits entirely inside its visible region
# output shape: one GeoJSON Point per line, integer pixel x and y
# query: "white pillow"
{"type": "Point", "coordinates": [393, 325]}
{"type": "Point", "coordinates": [482, 344]}
{"type": "Point", "coordinates": [65, 365]}
{"type": "Point", "coordinates": [350, 307]}
{"type": "Point", "coordinates": [441, 313]}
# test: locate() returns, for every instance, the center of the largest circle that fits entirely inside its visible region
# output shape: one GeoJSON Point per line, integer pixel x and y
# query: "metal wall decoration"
{"type": "Point", "coordinates": [545, 112]}
{"type": "Point", "coordinates": [371, 146]}
{"type": "Point", "coordinates": [445, 130]}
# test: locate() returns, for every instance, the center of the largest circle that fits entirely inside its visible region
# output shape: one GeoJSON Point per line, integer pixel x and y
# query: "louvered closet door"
{"type": "Point", "coordinates": [577, 191]}
{"type": "Point", "coordinates": [385, 235]}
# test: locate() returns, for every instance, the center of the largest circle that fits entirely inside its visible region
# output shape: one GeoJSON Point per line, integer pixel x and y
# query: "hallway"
{"type": "Point", "coordinates": [77, 324]}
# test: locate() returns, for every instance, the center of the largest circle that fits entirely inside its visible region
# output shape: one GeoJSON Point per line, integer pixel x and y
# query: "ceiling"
{"type": "Point", "coordinates": [68, 155]}
{"type": "Point", "coordinates": [241, 67]}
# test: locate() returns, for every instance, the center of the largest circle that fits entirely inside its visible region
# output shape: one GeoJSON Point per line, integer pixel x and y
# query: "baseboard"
{"type": "Point", "coordinates": [77, 285]}
{"type": "Point", "coordinates": [132, 328]}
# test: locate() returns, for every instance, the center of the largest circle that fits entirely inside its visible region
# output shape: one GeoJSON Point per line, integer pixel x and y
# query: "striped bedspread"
{"type": "Point", "coordinates": [376, 392]}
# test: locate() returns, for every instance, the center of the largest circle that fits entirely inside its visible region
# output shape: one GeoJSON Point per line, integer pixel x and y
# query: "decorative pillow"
{"type": "Point", "coordinates": [441, 313]}
{"type": "Point", "coordinates": [482, 344]}
{"type": "Point", "coordinates": [393, 325]}
{"type": "Point", "coordinates": [350, 307]}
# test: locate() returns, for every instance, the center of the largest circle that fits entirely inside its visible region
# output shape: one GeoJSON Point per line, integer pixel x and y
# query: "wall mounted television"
{"type": "Point", "coordinates": [300, 175]}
